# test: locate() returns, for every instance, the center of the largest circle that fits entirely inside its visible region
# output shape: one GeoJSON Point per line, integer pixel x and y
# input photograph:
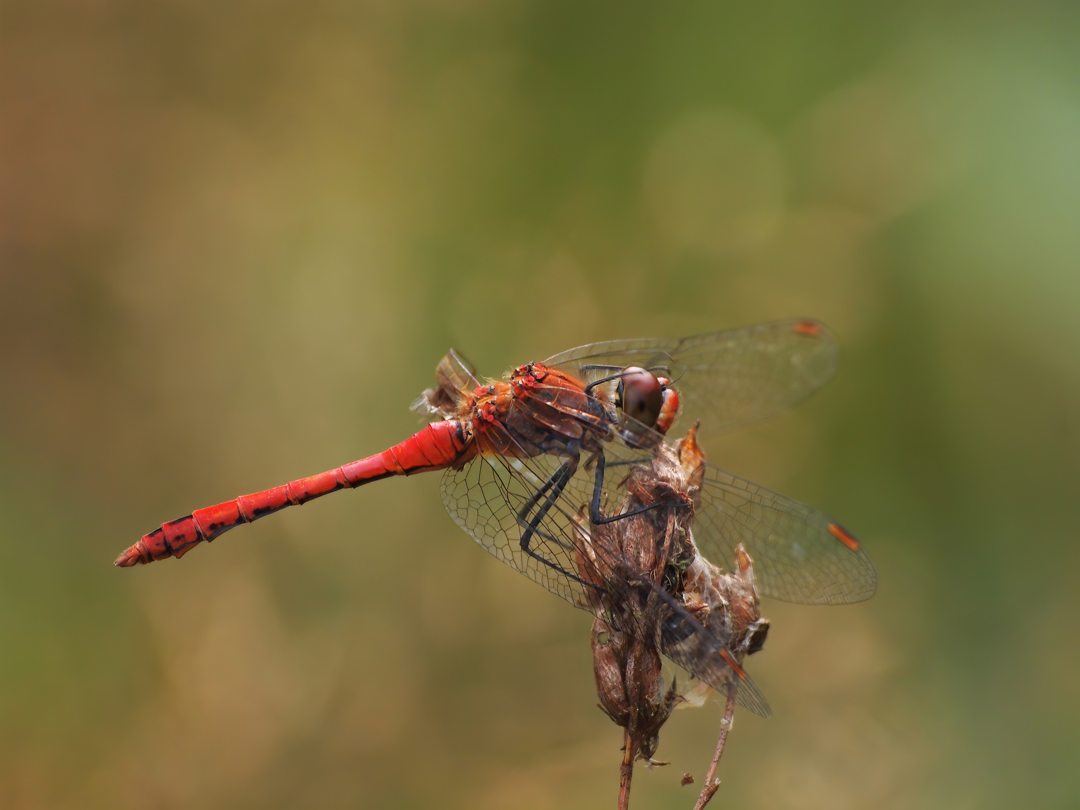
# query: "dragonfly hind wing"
{"type": "Point", "coordinates": [800, 554]}
{"type": "Point", "coordinates": [485, 499]}
{"type": "Point", "coordinates": [705, 654]}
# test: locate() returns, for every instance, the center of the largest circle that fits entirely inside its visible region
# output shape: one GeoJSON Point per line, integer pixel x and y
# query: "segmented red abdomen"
{"type": "Point", "coordinates": [436, 447]}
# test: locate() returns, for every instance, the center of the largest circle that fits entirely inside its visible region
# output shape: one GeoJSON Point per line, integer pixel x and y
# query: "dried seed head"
{"type": "Point", "coordinates": [625, 560]}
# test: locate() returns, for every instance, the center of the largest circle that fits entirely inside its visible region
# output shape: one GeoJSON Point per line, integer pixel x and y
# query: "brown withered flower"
{"type": "Point", "coordinates": [661, 574]}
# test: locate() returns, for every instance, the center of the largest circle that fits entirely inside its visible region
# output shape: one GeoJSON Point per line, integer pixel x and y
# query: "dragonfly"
{"type": "Point", "coordinates": [521, 456]}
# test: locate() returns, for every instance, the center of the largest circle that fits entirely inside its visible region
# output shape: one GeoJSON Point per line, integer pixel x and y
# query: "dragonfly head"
{"type": "Point", "coordinates": [640, 395]}
{"type": "Point", "coordinates": [647, 404]}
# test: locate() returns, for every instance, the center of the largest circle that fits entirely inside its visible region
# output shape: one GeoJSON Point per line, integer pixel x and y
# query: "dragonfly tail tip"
{"type": "Point", "coordinates": [130, 557]}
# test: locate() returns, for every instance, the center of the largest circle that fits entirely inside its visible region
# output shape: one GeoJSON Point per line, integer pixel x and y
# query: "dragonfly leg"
{"type": "Point", "coordinates": [598, 491]}
{"type": "Point", "coordinates": [589, 388]}
{"type": "Point", "coordinates": [553, 488]}
{"type": "Point", "coordinates": [628, 462]}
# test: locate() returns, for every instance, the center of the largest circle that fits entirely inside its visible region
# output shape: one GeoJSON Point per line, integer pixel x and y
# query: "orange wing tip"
{"type": "Point", "coordinates": [809, 328]}
{"type": "Point", "coordinates": [842, 534]}
{"type": "Point", "coordinates": [131, 556]}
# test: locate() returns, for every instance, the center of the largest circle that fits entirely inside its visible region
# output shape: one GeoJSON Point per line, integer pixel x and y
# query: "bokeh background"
{"type": "Point", "coordinates": [235, 239]}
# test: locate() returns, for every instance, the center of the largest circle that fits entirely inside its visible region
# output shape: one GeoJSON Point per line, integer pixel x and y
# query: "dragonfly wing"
{"type": "Point", "coordinates": [727, 379]}
{"type": "Point", "coordinates": [704, 654]}
{"type": "Point", "coordinates": [486, 497]}
{"type": "Point", "coordinates": [800, 554]}
{"type": "Point", "coordinates": [455, 373]}
{"type": "Point", "coordinates": [456, 380]}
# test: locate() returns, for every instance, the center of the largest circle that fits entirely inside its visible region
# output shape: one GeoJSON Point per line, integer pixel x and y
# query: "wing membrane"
{"type": "Point", "coordinates": [727, 379]}
{"type": "Point", "coordinates": [456, 373]}
{"type": "Point", "coordinates": [800, 554]}
{"type": "Point", "coordinates": [484, 499]}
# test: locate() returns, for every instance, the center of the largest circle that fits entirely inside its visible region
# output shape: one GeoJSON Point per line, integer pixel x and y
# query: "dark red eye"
{"type": "Point", "coordinates": [642, 395]}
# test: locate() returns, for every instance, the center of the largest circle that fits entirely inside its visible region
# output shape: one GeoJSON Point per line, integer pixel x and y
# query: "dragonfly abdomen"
{"type": "Point", "coordinates": [438, 446]}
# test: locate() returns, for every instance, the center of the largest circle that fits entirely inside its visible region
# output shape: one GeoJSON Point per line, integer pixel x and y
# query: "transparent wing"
{"type": "Point", "coordinates": [455, 379]}
{"type": "Point", "coordinates": [456, 373]}
{"type": "Point", "coordinates": [486, 498]}
{"type": "Point", "coordinates": [727, 379]}
{"type": "Point", "coordinates": [800, 554]}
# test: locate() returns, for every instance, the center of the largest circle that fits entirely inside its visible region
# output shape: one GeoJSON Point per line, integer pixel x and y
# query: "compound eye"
{"type": "Point", "coordinates": [642, 395]}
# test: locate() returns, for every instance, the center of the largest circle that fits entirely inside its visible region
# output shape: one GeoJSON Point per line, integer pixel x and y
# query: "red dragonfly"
{"type": "Point", "coordinates": [522, 456]}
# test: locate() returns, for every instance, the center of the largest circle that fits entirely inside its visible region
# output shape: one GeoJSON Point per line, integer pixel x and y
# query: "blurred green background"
{"type": "Point", "coordinates": [235, 239]}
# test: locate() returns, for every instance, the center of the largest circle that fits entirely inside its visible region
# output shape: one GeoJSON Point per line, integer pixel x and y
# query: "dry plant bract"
{"type": "Point", "coordinates": [650, 561]}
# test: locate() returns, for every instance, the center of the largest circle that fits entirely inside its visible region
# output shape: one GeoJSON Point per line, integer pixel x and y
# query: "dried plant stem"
{"type": "Point", "coordinates": [626, 772]}
{"type": "Point", "coordinates": [711, 785]}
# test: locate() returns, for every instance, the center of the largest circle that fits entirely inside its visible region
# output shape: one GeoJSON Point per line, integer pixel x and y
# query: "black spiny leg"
{"type": "Point", "coordinates": [556, 484]}
{"type": "Point", "coordinates": [598, 490]}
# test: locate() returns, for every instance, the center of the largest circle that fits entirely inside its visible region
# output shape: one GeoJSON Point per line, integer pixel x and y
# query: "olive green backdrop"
{"type": "Point", "coordinates": [235, 239]}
